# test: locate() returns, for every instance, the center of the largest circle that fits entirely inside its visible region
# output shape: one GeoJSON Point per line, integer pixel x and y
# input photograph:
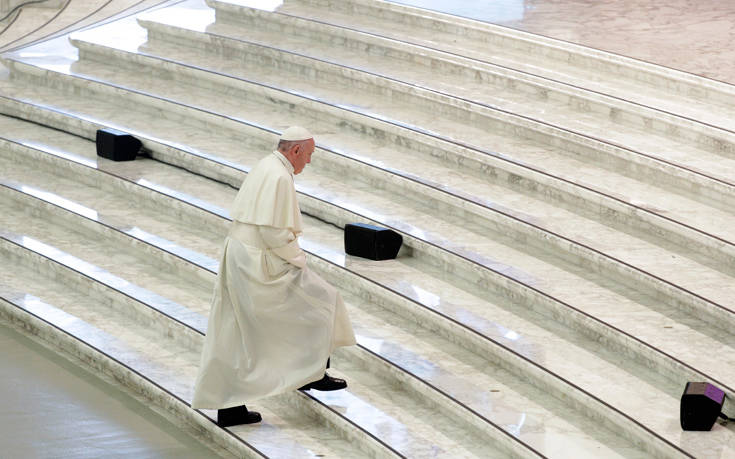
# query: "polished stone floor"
{"type": "Point", "coordinates": [643, 32]}
{"type": "Point", "coordinates": [52, 408]}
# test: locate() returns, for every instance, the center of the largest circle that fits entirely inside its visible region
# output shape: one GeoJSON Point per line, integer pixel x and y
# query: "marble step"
{"type": "Point", "coordinates": [485, 263]}
{"type": "Point", "coordinates": [167, 55]}
{"type": "Point", "coordinates": [386, 344]}
{"type": "Point", "coordinates": [371, 405]}
{"type": "Point", "coordinates": [73, 17]}
{"type": "Point", "coordinates": [554, 305]}
{"type": "Point", "coordinates": [149, 362]}
{"type": "Point", "coordinates": [22, 22]}
{"type": "Point", "coordinates": [715, 315]}
{"type": "Point", "coordinates": [104, 354]}
{"type": "Point", "coordinates": [390, 341]}
{"type": "Point", "coordinates": [599, 163]}
{"type": "Point", "coordinates": [663, 88]}
{"type": "Point", "coordinates": [178, 61]}
{"type": "Point", "coordinates": [554, 343]}
{"type": "Point", "coordinates": [643, 130]}
{"type": "Point", "coordinates": [708, 245]}
{"type": "Point", "coordinates": [713, 246]}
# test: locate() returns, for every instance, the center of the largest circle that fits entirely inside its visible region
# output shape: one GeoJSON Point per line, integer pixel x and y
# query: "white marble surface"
{"type": "Point", "coordinates": [83, 416]}
{"type": "Point", "coordinates": [35, 24]}
{"type": "Point", "coordinates": [649, 194]}
{"type": "Point", "coordinates": [92, 252]}
{"type": "Point", "coordinates": [650, 85]}
{"type": "Point", "coordinates": [473, 80]}
{"type": "Point", "coordinates": [495, 251]}
{"type": "Point", "coordinates": [337, 189]}
{"type": "Point", "coordinates": [338, 242]}
{"type": "Point", "coordinates": [171, 366]}
{"type": "Point", "coordinates": [357, 407]}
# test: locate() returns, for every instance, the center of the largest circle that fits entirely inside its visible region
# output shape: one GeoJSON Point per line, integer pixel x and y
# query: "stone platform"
{"type": "Point", "coordinates": [566, 214]}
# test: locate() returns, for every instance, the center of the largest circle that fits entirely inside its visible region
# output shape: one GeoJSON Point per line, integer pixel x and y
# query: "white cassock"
{"type": "Point", "coordinates": [273, 322]}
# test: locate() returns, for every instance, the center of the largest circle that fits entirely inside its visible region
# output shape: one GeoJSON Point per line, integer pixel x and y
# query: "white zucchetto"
{"type": "Point", "coordinates": [295, 133]}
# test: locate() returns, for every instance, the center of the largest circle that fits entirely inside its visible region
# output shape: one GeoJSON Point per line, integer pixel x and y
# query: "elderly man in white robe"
{"type": "Point", "coordinates": [273, 323]}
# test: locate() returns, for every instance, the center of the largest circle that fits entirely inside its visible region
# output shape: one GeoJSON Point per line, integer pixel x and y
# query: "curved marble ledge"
{"type": "Point", "coordinates": [532, 51]}
{"type": "Point", "coordinates": [39, 22]}
{"type": "Point", "coordinates": [318, 251]}
{"type": "Point", "coordinates": [34, 197]}
{"type": "Point", "coordinates": [93, 18]}
{"type": "Point", "coordinates": [690, 302]}
{"type": "Point", "coordinates": [723, 141]}
{"type": "Point", "coordinates": [443, 392]}
{"type": "Point", "coordinates": [102, 351]}
{"type": "Point", "coordinates": [363, 340]}
{"type": "Point", "coordinates": [354, 426]}
{"type": "Point", "coordinates": [662, 168]}
{"type": "Point", "coordinates": [563, 312]}
{"type": "Point", "coordinates": [87, 213]}
{"type": "Point", "coordinates": [332, 256]}
{"type": "Point", "coordinates": [368, 417]}
{"type": "Point", "coordinates": [110, 178]}
{"type": "Point", "coordinates": [675, 231]}
{"type": "Point", "coordinates": [719, 193]}
{"type": "Point", "coordinates": [187, 322]}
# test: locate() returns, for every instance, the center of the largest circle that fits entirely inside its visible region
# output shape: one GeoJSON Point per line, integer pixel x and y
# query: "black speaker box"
{"type": "Point", "coordinates": [373, 242]}
{"type": "Point", "coordinates": [117, 145]}
{"type": "Point", "coordinates": [701, 403]}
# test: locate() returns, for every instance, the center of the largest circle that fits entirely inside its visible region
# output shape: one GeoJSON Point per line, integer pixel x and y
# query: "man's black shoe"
{"type": "Point", "coordinates": [326, 383]}
{"type": "Point", "coordinates": [237, 415]}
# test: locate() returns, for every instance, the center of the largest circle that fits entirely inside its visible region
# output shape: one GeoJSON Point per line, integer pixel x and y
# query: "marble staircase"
{"type": "Point", "coordinates": [566, 232]}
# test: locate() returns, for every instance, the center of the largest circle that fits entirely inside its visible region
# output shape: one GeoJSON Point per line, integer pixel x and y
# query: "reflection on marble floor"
{"type": "Point", "coordinates": [566, 215]}
{"type": "Point", "coordinates": [35, 383]}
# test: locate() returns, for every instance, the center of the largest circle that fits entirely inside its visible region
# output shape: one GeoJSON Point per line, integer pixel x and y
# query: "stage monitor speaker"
{"type": "Point", "coordinates": [117, 145]}
{"type": "Point", "coordinates": [701, 403]}
{"type": "Point", "coordinates": [371, 242]}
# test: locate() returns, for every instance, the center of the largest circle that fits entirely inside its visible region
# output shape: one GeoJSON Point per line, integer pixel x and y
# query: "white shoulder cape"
{"type": "Point", "coordinates": [270, 185]}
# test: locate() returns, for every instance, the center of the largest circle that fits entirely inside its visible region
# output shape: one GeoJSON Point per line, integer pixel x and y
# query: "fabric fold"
{"type": "Point", "coordinates": [273, 322]}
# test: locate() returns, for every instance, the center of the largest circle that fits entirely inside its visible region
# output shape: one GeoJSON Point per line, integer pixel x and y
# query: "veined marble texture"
{"type": "Point", "coordinates": [651, 85]}
{"type": "Point", "coordinates": [181, 370]}
{"type": "Point", "coordinates": [336, 241]}
{"type": "Point", "coordinates": [148, 371]}
{"type": "Point", "coordinates": [702, 31]}
{"type": "Point", "coordinates": [724, 314]}
{"type": "Point", "coordinates": [481, 269]}
{"type": "Point", "coordinates": [91, 251]}
{"type": "Point", "coordinates": [650, 206]}
{"type": "Point", "coordinates": [79, 43]}
{"type": "Point", "coordinates": [616, 160]}
{"type": "Point", "coordinates": [35, 24]}
{"type": "Point", "coordinates": [524, 94]}
{"type": "Point", "coordinates": [357, 407]}
{"type": "Point", "coordinates": [652, 196]}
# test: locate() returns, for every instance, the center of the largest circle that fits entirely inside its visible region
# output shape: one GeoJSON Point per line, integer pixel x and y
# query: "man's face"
{"type": "Point", "coordinates": [301, 155]}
